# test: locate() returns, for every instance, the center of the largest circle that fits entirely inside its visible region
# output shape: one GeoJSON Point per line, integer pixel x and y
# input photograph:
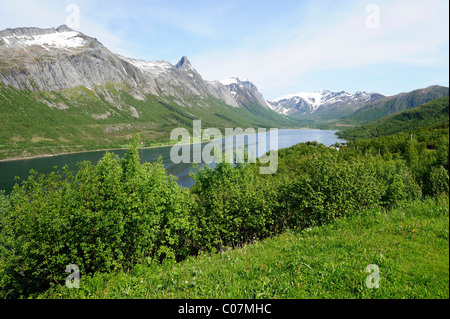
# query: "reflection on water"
{"type": "Point", "coordinates": [21, 168]}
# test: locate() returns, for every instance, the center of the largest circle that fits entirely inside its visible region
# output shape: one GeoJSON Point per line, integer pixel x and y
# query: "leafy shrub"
{"type": "Point", "coordinates": [397, 182]}
{"type": "Point", "coordinates": [327, 189]}
{"type": "Point", "coordinates": [438, 181]}
{"type": "Point", "coordinates": [109, 216]}
{"type": "Point", "coordinates": [233, 205]}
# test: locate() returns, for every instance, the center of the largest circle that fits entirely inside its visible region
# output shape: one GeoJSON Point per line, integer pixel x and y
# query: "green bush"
{"type": "Point", "coordinates": [109, 216]}
{"type": "Point", "coordinates": [397, 182]}
{"type": "Point", "coordinates": [438, 180]}
{"type": "Point", "coordinates": [328, 188]}
{"type": "Point", "coordinates": [234, 206]}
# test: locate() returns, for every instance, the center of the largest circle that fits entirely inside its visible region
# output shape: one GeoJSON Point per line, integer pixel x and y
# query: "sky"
{"type": "Point", "coordinates": [282, 46]}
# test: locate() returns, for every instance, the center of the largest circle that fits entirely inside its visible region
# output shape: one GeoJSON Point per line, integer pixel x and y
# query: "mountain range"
{"type": "Point", "coordinates": [305, 103]}
{"type": "Point", "coordinates": [357, 108]}
{"type": "Point", "coordinates": [396, 103]}
{"type": "Point", "coordinates": [56, 59]}
{"type": "Point", "coordinates": [61, 90]}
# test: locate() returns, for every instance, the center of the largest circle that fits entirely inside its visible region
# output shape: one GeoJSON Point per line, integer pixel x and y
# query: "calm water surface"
{"type": "Point", "coordinates": [286, 138]}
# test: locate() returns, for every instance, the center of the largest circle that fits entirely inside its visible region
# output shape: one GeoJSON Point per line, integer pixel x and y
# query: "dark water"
{"type": "Point", "coordinates": [286, 138]}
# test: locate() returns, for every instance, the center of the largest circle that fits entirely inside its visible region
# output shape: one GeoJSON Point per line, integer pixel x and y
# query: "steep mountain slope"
{"type": "Point", "coordinates": [247, 95]}
{"type": "Point", "coordinates": [397, 103]}
{"type": "Point", "coordinates": [245, 92]}
{"type": "Point", "coordinates": [55, 59]}
{"type": "Point", "coordinates": [61, 90]}
{"type": "Point", "coordinates": [431, 113]}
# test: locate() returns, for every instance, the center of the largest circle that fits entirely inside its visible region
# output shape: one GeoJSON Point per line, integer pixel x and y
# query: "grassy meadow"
{"type": "Point", "coordinates": [409, 243]}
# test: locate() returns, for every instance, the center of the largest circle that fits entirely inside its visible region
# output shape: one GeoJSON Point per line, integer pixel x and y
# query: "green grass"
{"type": "Point", "coordinates": [409, 244]}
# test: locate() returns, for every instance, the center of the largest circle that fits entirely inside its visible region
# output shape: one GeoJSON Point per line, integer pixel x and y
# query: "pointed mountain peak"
{"type": "Point", "coordinates": [63, 28]}
{"type": "Point", "coordinates": [184, 62]}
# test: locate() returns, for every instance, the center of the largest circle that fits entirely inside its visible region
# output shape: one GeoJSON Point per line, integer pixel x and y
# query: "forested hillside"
{"type": "Point", "coordinates": [397, 103]}
{"type": "Point", "coordinates": [432, 113]}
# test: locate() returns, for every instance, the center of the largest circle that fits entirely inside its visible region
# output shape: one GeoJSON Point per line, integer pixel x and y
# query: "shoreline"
{"type": "Point", "coordinates": [11, 159]}
{"type": "Point", "coordinates": [96, 150]}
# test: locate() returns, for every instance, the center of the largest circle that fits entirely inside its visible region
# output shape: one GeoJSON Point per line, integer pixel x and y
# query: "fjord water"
{"type": "Point", "coordinates": [286, 138]}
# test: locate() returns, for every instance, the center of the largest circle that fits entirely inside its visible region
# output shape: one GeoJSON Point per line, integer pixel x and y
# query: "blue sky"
{"type": "Point", "coordinates": [282, 46]}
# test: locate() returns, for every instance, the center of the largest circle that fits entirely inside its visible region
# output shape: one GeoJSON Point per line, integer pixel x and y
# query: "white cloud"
{"type": "Point", "coordinates": [410, 32]}
{"type": "Point", "coordinates": [313, 37]}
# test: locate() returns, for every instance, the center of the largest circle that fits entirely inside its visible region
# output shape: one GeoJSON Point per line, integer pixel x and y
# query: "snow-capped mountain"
{"type": "Point", "coordinates": [62, 39]}
{"type": "Point", "coordinates": [78, 90]}
{"type": "Point", "coordinates": [304, 103]}
{"type": "Point", "coordinates": [56, 59]}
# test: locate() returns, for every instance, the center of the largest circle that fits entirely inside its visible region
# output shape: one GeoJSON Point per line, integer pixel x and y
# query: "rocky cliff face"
{"type": "Point", "coordinates": [55, 59]}
{"type": "Point", "coordinates": [244, 92]}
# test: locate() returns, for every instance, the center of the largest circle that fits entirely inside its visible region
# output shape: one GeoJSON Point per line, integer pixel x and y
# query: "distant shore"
{"type": "Point", "coordinates": [165, 144]}
{"type": "Point", "coordinates": [96, 150]}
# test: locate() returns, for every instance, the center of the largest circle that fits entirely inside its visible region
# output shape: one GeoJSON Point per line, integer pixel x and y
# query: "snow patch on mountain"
{"type": "Point", "coordinates": [154, 67]}
{"type": "Point", "coordinates": [229, 81]}
{"type": "Point", "coordinates": [57, 40]}
{"type": "Point", "coordinates": [234, 80]}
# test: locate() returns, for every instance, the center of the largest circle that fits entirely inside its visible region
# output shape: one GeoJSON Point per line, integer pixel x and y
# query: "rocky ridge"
{"type": "Point", "coordinates": [56, 59]}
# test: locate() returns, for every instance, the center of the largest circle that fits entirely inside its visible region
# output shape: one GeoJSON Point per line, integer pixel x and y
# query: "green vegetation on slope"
{"type": "Point", "coordinates": [397, 103]}
{"type": "Point", "coordinates": [432, 113]}
{"type": "Point", "coordinates": [34, 123]}
{"type": "Point", "coordinates": [409, 244]}
{"type": "Point", "coordinates": [118, 214]}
